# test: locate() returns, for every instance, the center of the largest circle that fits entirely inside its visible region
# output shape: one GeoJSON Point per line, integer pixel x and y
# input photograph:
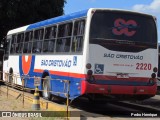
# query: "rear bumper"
{"type": "Point", "coordinates": [87, 87]}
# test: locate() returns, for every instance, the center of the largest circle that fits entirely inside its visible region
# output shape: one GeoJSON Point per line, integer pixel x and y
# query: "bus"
{"type": "Point", "coordinates": [101, 52]}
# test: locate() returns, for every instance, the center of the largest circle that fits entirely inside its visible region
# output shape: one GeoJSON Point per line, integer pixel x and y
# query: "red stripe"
{"type": "Point", "coordinates": [75, 75]}
{"type": "Point", "coordinates": [38, 70]}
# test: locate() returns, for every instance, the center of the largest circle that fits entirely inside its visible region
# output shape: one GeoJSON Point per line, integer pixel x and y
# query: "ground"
{"type": "Point", "coordinates": [12, 104]}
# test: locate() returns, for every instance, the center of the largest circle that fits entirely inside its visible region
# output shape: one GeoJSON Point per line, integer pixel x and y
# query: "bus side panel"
{"type": "Point", "coordinates": [61, 67]}
{"type": "Point", "coordinates": [13, 63]}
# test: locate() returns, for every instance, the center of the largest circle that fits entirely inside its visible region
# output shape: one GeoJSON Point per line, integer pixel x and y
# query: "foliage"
{"type": "Point", "coordinates": [16, 13]}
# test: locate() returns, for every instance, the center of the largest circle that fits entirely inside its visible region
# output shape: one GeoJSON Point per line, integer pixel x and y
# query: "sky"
{"type": "Point", "coordinates": [146, 6]}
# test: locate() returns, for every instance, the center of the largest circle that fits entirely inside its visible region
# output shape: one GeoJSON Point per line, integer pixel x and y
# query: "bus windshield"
{"type": "Point", "coordinates": [123, 28]}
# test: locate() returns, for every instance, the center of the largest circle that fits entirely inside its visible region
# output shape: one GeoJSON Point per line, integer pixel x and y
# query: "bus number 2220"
{"type": "Point", "coordinates": [143, 66]}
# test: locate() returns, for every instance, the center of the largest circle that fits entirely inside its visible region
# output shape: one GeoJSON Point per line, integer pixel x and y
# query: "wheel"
{"type": "Point", "coordinates": [46, 88]}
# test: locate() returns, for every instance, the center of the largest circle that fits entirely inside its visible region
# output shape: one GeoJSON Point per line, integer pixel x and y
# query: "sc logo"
{"type": "Point", "coordinates": [122, 27]}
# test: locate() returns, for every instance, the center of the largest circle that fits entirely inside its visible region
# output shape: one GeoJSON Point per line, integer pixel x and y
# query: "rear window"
{"type": "Point", "coordinates": [115, 25]}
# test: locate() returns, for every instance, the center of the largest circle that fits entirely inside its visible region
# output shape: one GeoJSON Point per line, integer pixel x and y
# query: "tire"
{"type": "Point", "coordinates": [46, 88]}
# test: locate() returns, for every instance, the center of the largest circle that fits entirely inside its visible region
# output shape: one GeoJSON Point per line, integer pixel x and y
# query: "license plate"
{"type": "Point", "coordinates": [122, 75]}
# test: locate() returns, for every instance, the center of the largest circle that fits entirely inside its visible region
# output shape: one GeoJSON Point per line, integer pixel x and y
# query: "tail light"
{"type": "Point", "coordinates": [153, 79]}
{"type": "Point", "coordinates": [155, 69]}
{"type": "Point", "coordinates": [90, 76]}
{"type": "Point", "coordinates": [153, 75]}
{"type": "Point", "coordinates": [88, 66]}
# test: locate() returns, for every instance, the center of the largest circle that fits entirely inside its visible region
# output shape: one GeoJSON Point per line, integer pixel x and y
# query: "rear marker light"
{"type": "Point", "coordinates": [93, 12]}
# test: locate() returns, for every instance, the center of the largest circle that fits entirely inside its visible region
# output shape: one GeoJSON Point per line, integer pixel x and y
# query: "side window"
{"type": "Point", "coordinates": [64, 37]}
{"type": "Point", "coordinates": [20, 38]}
{"type": "Point", "coordinates": [28, 42]}
{"type": "Point", "coordinates": [49, 39]}
{"type": "Point", "coordinates": [37, 41]}
{"type": "Point", "coordinates": [77, 42]}
{"type": "Point", "coordinates": [13, 44]}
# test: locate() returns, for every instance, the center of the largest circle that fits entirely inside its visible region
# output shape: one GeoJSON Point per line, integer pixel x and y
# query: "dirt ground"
{"type": "Point", "coordinates": [11, 104]}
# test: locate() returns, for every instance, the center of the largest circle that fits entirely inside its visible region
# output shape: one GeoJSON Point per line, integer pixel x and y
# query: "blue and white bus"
{"type": "Point", "coordinates": [102, 52]}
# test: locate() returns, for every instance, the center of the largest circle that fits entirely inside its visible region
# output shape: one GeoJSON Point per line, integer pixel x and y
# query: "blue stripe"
{"type": "Point", "coordinates": [58, 19]}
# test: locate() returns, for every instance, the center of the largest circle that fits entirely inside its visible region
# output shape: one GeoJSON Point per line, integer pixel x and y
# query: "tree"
{"type": "Point", "coordinates": [16, 13]}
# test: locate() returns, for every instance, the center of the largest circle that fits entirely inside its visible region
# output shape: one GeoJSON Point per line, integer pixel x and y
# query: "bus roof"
{"type": "Point", "coordinates": [50, 21]}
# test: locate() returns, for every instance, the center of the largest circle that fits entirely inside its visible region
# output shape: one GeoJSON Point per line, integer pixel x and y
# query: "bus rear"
{"type": "Point", "coordinates": [122, 57]}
